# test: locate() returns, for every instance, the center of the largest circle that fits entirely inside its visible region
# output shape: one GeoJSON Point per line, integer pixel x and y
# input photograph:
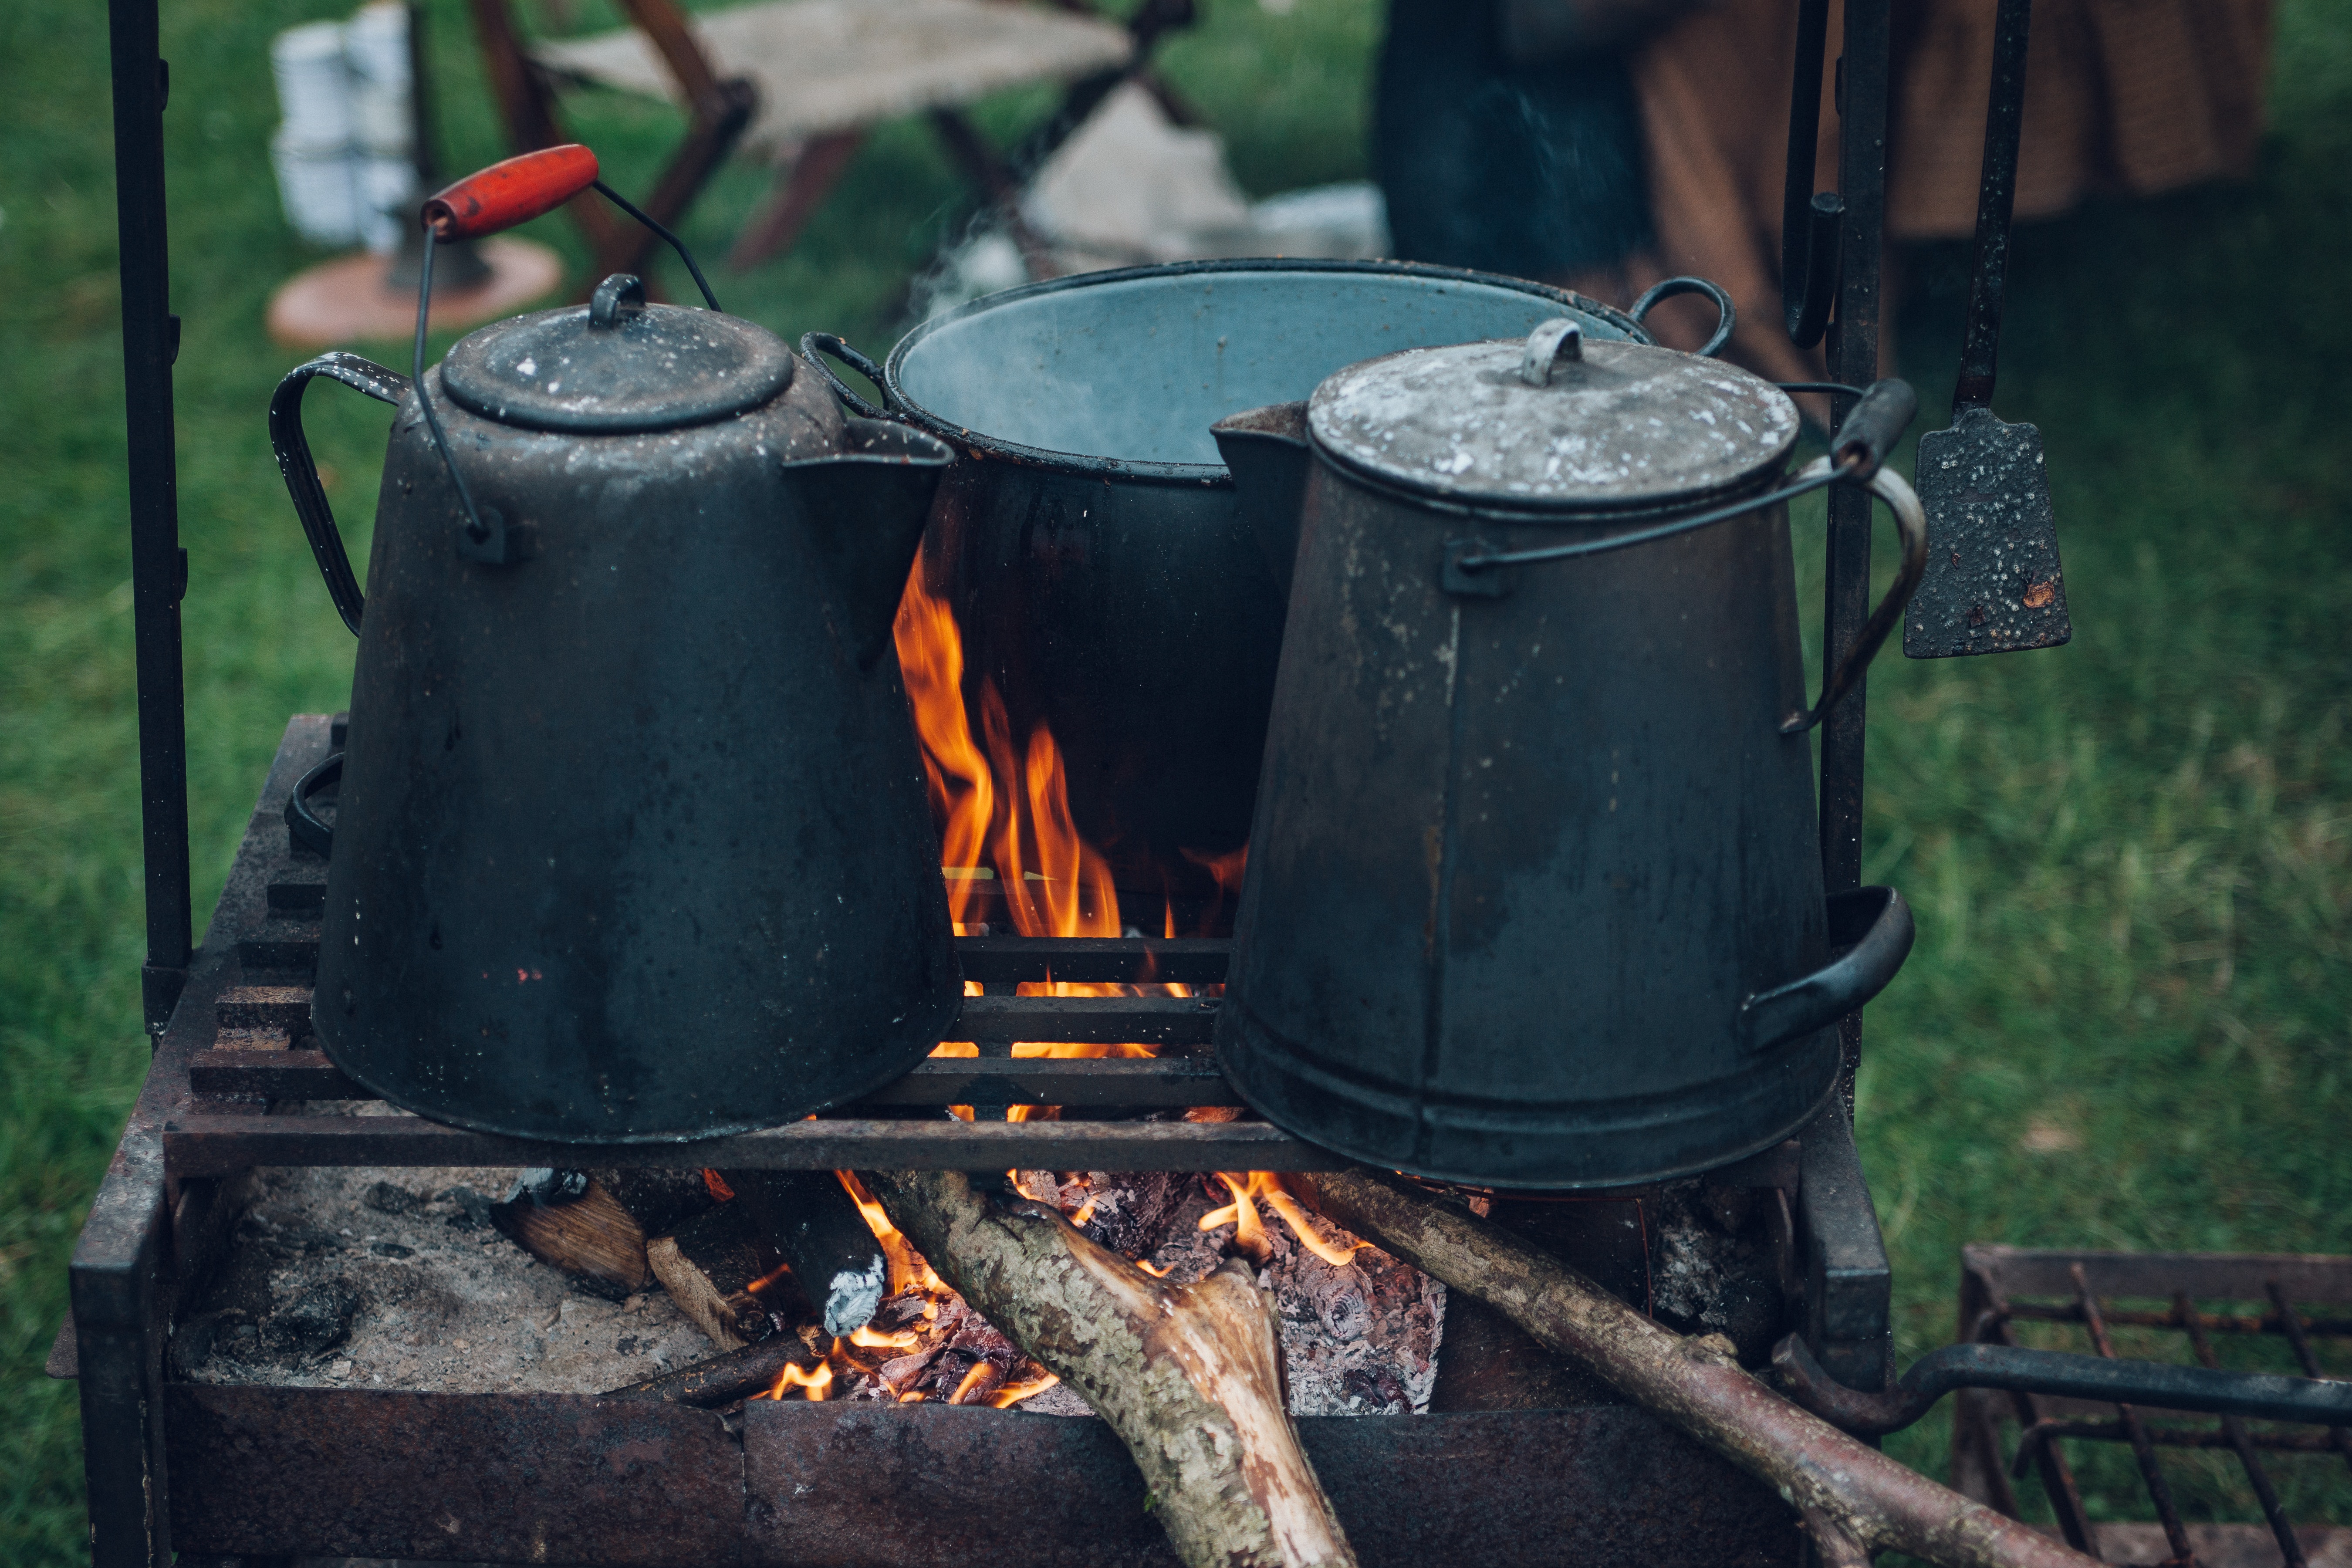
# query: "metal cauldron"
{"type": "Point", "coordinates": [1087, 538]}
{"type": "Point", "coordinates": [1534, 896]}
{"type": "Point", "coordinates": [631, 841]}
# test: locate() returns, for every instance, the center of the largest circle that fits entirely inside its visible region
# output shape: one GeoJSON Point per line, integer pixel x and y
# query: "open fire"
{"type": "Point", "coordinates": [1001, 803]}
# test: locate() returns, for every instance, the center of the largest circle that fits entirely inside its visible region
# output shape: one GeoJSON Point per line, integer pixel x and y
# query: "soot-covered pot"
{"type": "Point", "coordinates": [631, 841]}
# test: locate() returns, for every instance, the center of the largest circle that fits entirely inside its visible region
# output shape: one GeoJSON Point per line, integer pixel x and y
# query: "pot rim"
{"type": "Point", "coordinates": [1210, 475]}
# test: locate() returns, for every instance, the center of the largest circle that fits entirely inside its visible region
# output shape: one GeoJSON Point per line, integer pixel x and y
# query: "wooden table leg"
{"type": "Point", "coordinates": [800, 191]}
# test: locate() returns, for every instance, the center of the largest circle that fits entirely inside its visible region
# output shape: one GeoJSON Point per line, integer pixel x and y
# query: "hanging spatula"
{"type": "Point", "coordinates": [1993, 584]}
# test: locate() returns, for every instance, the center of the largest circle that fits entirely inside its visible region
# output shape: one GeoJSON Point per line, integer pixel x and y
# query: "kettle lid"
{"type": "Point", "coordinates": [616, 365]}
{"type": "Point", "coordinates": [1554, 423]}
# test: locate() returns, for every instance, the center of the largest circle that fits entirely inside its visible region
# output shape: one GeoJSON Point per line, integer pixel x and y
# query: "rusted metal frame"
{"type": "Point", "coordinates": [2292, 1324]}
{"type": "Point", "coordinates": [129, 1266]}
{"type": "Point", "coordinates": [637, 1482]}
{"type": "Point", "coordinates": [2166, 1437]}
{"type": "Point", "coordinates": [159, 570]}
{"type": "Point", "coordinates": [2234, 1431]}
{"type": "Point", "coordinates": [213, 1145]}
{"type": "Point", "coordinates": [1171, 1082]}
{"type": "Point", "coordinates": [1188, 960]}
{"type": "Point", "coordinates": [2217, 1322]}
{"type": "Point", "coordinates": [1849, 1285]}
{"type": "Point", "coordinates": [1853, 359]}
{"type": "Point", "coordinates": [2176, 1535]}
{"type": "Point", "coordinates": [2017, 1271]}
{"type": "Point", "coordinates": [1099, 1020]}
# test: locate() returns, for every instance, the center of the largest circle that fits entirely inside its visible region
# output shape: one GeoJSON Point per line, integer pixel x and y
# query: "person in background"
{"type": "Point", "coordinates": [1604, 144]}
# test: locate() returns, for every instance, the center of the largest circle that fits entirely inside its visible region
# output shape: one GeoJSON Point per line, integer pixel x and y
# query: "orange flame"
{"type": "Point", "coordinates": [980, 1369]}
{"type": "Point", "coordinates": [813, 1384]}
{"type": "Point", "coordinates": [1249, 1232]}
{"type": "Point", "coordinates": [870, 1339]}
{"type": "Point", "coordinates": [908, 1271]}
{"type": "Point", "coordinates": [1013, 1393]}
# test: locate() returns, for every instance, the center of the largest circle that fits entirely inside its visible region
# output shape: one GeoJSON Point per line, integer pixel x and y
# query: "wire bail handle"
{"type": "Point", "coordinates": [489, 202]}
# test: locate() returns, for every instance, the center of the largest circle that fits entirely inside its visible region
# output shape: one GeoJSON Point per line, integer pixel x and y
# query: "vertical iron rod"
{"type": "Point", "coordinates": [157, 569]}
{"type": "Point", "coordinates": [2290, 1549]}
{"type": "Point", "coordinates": [1854, 359]}
{"type": "Point", "coordinates": [2291, 1323]}
{"type": "Point", "coordinates": [2176, 1535]}
{"type": "Point", "coordinates": [1996, 194]}
{"type": "Point", "coordinates": [2057, 1477]}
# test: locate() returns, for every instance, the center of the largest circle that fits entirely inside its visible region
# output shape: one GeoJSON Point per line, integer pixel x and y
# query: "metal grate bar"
{"type": "Point", "coordinates": [2176, 1535]}
{"type": "Point", "coordinates": [2234, 1430]}
{"type": "Point", "coordinates": [2292, 1323]}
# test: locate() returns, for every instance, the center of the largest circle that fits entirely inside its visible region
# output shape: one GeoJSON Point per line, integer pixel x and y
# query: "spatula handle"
{"type": "Point", "coordinates": [1996, 195]}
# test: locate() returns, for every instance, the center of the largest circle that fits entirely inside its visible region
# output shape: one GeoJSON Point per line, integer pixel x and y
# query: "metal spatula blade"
{"type": "Point", "coordinates": [1993, 582]}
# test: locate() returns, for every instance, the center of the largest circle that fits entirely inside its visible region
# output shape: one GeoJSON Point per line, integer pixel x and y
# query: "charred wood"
{"type": "Point", "coordinates": [738, 1374]}
{"type": "Point", "coordinates": [1190, 1376]}
{"type": "Point", "coordinates": [722, 1274]}
{"type": "Point", "coordinates": [568, 1219]}
{"type": "Point", "coordinates": [811, 1219]}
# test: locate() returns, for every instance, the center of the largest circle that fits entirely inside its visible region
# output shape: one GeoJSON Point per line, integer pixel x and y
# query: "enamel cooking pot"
{"type": "Point", "coordinates": [631, 842]}
{"type": "Point", "coordinates": [1534, 897]}
{"type": "Point", "coordinates": [1087, 538]}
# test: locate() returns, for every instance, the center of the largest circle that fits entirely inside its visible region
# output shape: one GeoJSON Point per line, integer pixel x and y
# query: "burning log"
{"type": "Point", "coordinates": [811, 1218]}
{"type": "Point", "coordinates": [715, 1266]}
{"type": "Point", "coordinates": [1189, 1377]}
{"type": "Point", "coordinates": [1855, 1499]}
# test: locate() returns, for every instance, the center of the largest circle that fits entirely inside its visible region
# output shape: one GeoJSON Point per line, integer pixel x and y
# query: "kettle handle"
{"type": "Point", "coordinates": [1911, 525]}
{"type": "Point", "coordinates": [814, 346]}
{"type": "Point", "coordinates": [294, 461]}
{"type": "Point", "coordinates": [1873, 928]}
{"type": "Point", "coordinates": [1726, 320]}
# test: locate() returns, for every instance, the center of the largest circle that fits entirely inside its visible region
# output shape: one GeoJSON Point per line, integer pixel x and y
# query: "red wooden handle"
{"type": "Point", "coordinates": [516, 190]}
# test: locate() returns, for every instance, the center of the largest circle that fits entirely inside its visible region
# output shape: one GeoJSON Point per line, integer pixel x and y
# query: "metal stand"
{"type": "Point", "coordinates": [154, 1228]}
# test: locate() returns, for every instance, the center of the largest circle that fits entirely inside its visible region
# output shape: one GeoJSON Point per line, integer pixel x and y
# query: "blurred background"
{"type": "Point", "coordinates": [2129, 1020]}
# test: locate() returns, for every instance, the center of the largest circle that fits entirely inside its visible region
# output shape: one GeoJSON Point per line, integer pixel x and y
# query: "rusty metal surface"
{"type": "Point", "coordinates": [1167, 1081]}
{"type": "Point", "coordinates": [519, 1478]}
{"type": "Point", "coordinates": [2080, 1289]}
{"type": "Point", "coordinates": [633, 1483]}
{"type": "Point", "coordinates": [1600, 1488]}
{"type": "Point", "coordinates": [199, 1143]}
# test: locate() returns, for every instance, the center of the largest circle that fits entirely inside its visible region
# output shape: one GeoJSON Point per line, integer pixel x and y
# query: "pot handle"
{"type": "Point", "coordinates": [301, 473]}
{"type": "Point", "coordinates": [815, 345]}
{"type": "Point", "coordinates": [1725, 318]}
{"type": "Point", "coordinates": [1874, 928]}
{"type": "Point", "coordinates": [1911, 523]}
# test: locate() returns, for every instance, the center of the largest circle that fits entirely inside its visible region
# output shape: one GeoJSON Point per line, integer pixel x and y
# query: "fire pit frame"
{"type": "Point", "coordinates": [173, 1188]}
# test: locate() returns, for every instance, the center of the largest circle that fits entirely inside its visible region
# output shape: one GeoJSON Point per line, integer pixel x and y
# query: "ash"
{"type": "Point", "coordinates": [393, 1278]}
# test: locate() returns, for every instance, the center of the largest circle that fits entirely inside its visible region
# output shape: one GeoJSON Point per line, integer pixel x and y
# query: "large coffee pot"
{"type": "Point", "coordinates": [631, 841]}
{"type": "Point", "coordinates": [1534, 896]}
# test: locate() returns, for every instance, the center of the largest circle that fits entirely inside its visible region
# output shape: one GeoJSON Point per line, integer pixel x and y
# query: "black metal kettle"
{"type": "Point", "coordinates": [631, 842]}
{"type": "Point", "coordinates": [1534, 897]}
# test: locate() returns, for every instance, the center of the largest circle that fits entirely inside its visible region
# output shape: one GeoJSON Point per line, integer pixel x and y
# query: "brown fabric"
{"type": "Point", "coordinates": [2122, 97]}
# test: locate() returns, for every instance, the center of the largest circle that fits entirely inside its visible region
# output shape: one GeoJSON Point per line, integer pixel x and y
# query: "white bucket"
{"type": "Point", "coordinates": [315, 185]}
{"type": "Point", "coordinates": [313, 87]}
{"type": "Point", "coordinates": [375, 54]}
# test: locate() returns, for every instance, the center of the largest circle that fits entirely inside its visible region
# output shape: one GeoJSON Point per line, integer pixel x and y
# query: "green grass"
{"type": "Point", "coordinates": [2131, 858]}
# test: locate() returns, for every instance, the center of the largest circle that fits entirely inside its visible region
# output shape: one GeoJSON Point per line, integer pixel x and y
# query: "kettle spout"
{"type": "Point", "coordinates": [866, 505]}
{"type": "Point", "coordinates": [1265, 451]}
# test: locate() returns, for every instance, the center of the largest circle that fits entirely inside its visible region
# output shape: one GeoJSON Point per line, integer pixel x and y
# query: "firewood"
{"type": "Point", "coordinates": [711, 1266]}
{"type": "Point", "coordinates": [567, 1219]}
{"type": "Point", "coordinates": [810, 1218]}
{"type": "Point", "coordinates": [1854, 1499]}
{"type": "Point", "coordinates": [1189, 1377]}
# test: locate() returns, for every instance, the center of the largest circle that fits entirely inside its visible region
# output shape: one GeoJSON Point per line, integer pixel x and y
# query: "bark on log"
{"type": "Point", "coordinates": [1854, 1498]}
{"type": "Point", "coordinates": [1189, 1377]}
